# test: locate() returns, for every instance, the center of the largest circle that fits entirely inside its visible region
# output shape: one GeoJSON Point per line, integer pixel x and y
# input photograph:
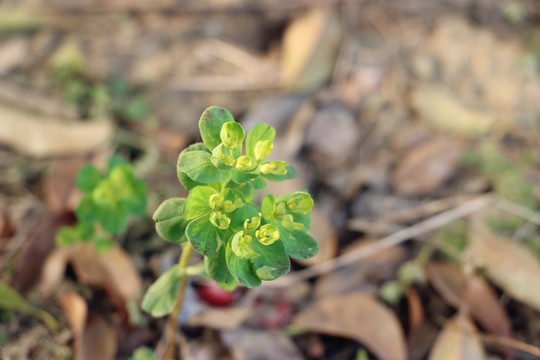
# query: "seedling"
{"type": "Point", "coordinates": [243, 243]}
{"type": "Point", "coordinates": [109, 200]}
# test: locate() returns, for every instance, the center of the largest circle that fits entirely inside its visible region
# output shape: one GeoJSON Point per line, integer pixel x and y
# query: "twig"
{"type": "Point", "coordinates": [518, 210]}
{"type": "Point", "coordinates": [173, 317]}
{"type": "Point", "coordinates": [386, 242]}
{"type": "Point", "coordinates": [513, 343]}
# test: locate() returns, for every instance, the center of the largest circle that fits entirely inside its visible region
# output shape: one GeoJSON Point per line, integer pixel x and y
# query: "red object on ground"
{"type": "Point", "coordinates": [213, 295]}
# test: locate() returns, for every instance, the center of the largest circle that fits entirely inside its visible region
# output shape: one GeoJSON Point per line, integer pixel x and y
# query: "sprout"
{"type": "Point", "coordinates": [215, 201]}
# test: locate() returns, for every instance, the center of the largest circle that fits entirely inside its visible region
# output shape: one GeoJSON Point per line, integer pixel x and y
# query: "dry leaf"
{"type": "Point", "coordinates": [113, 270]}
{"type": "Point", "coordinates": [310, 47]}
{"type": "Point", "coordinates": [40, 136]}
{"type": "Point", "coordinates": [60, 182]}
{"type": "Point", "coordinates": [13, 52]}
{"type": "Point", "coordinates": [37, 248]}
{"type": "Point", "coordinates": [444, 112]}
{"type": "Point", "coordinates": [249, 344]}
{"type": "Point", "coordinates": [416, 310]}
{"type": "Point", "coordinates": [94, 338]}
{"type": "Point", "coordinates": [221, 318]}
{"type": "Point", "coordinates": [360, 317]}
{"type": "Point", "coordinates": [510, 265]}
{"type": "Point", "coordinates": [426, 167]}
{"type": "Point", "coordinates": [458, 341]}
{"type": "Point", "coordinates": [474, 292]}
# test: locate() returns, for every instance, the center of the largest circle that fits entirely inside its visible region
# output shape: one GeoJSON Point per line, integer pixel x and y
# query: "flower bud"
{"type": "Point", "coordinates": [228, 206]}
{"type": "Point", "coordinates": [279, 209]}
{"type": "Point", "coordinates": [275, 167]}
{"type": "Point", "coordinates": [267, 234]}
{"type": "Point", "coordinates": [240, 245]}
{"type": "Point", "coordinates": [289, 224]}
{"type": "Point", "coordinates": [262, 149]}
{"type": "Point", "coordinates": [220, 220]}
{"type": "Point", "coordinates": [215, 200]}
{"type": "Point", "coordinates": [223, 154]}
{"type": "Point", "coordinates": [245, 163]}
{"type": "Point", "coordinates": [232, 134]}
{"type": "Point", "coordinates": [300, 203]}
{"type": "Point", "coordinates": [252, 224]}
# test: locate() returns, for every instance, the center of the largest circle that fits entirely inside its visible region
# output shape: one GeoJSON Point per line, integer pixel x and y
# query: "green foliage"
{"type": "Point", "coordinates": [242, 242]}
{"type": "Point", "coordinates": [11, 300]}
{"type": "Point", "coordinates": [108, 202]}
{"type": "Point", "coordinates": [143, 353]}
{"type": "Point", "coordinates": [160, 298]}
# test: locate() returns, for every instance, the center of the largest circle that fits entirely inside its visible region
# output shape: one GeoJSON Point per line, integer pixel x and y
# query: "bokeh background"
{"type": "Point", "coordinates": [414, 124]}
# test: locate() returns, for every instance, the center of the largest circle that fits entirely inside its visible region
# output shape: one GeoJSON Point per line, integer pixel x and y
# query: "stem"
{"type": "Point", "coordinates": [173, 318]}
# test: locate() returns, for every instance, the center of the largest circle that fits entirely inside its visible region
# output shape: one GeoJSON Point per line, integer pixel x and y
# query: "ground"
{"type": "Point", "coordinates": [414, 125]}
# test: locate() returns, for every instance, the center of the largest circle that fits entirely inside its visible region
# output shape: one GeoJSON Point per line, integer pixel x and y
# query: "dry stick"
{"type": "Point", "coordinates": [173, 318]}
{"type": "Point", "coordinates": [513, 343]}
{"type": "Point", "coordinates": [518, 210]}
{"type": "Point", "coordinates": [386, 242]}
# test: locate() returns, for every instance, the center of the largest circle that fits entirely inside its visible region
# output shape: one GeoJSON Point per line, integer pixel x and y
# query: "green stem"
{"type": "Point", "coordinates": [173, 318]}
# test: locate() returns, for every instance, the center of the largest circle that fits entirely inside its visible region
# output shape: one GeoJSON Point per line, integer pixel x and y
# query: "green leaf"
{"type": "Point", "coordinates": [210, 123]}
{"type": "Point", "coordinates": [143, 353]}
{"type": "Point", "coordinates": [297, 202]}
{"type": "Point", "coordinates": [88, 178]}
{"type": "Point", "coordinates": [241, 269]}
{"type": "Point", "coordinates": [298, 245]}
{"type": "Point", "coordinates": [11, 300]}
{"type": "Point", "coordinates": [203, 236]}
{"type": "Point", "coordinates": [216, 267]}
{"type": "Point", "coordinates": [197, 165]}
{"type": "Point", "coordinates": [260, 132]}
{"type": "Point", "coordinates": [197, 202]}
{"type": "Point", "coordinates": [240, 215]}
{"type": "Point", "coordinates": [115, 161]}
{"type": "Point", "coordinates": [87, 211]}
{"type": "Point", "coordinates": [170, 222]}
{"type": "Point", "coordinates": [259, 183]}
{"type": "Point", "coordinates": [161, 295]}
{"type": "Point", "coordinates": [271, 261]}
{"type": "Point", "coordinates": [291, 174]}
{"type": "Point", "coordinates": [246, 189]}
{"type": "Point", "coordinates": [267, 207]}
{"type": "Point", "coordinates": [112, 220]}
{"type": "Point", "coordinates": [135, 203]}
{"type": "Point", "coordinates": [241, 177]}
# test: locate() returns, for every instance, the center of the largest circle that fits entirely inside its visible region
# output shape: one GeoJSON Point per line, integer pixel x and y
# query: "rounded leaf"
{"type": "Point", "coordinates": [170, 222]}
{"type": "Point", "coordinates": [210, 124]}
{"type": "Point", "coordinates": [203, 236]}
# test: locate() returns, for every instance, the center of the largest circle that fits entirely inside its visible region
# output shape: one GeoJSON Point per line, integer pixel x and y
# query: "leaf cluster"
{"type": "Point", "coordinates": [242, 242]}
{"type": "Point", "coordinates": [108, 202]}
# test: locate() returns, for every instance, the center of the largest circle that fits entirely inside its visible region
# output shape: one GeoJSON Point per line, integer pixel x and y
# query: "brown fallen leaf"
{"type": "Point", "coordinates": [41, 136]}
{"type": "Point", "coordinates": [458, 341]}
{"type": "Point", "coordinates": [510, 265]}
{"type": "Point", "coordinates": [95, 339]}
{"type": "Point", "coordinates": [112, 270]}
{"type": "Point", "coordinates": [426, 166]}
{"type": "Point", "coordinates": [248, 344]}
{"type": "Point", "coordinates": [472, 291]}
{"type": "Point", "coordinates": [444, 112]}
{"type": "Point", "coordinates": [221, 318]}
{"type": "Point", "coordinates": [310, 47]}
{"type": "Point", "coordinates": [357, 316]}
{"type": "Point", "coordinates": [60, 182]}
{"type": "Point", "coordinates": [37, 248]}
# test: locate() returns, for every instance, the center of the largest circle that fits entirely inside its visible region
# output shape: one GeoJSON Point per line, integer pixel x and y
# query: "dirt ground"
{"type": "Point", "coordinates": [415, 125]}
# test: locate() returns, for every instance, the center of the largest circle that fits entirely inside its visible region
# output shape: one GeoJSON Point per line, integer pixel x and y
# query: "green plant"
{"type": "Point", "coordinates": [242, 242]}
{"type": "Point", "coordinates": [109, 200]}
